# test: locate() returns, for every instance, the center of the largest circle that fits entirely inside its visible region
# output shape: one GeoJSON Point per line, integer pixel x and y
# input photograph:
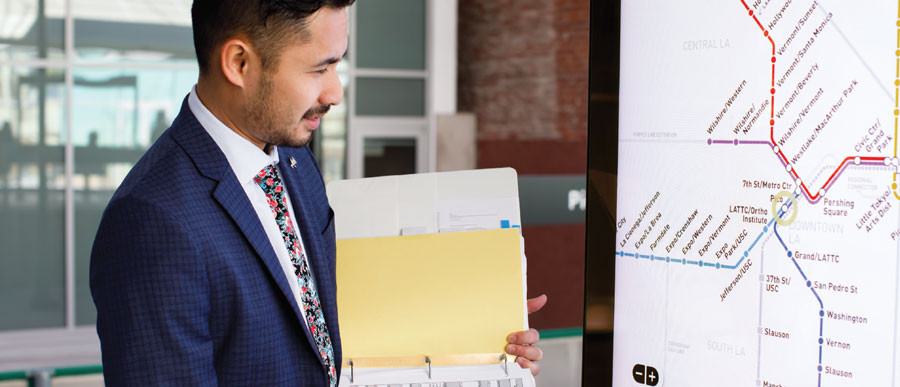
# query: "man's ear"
{"type": "Point", "coordinates": [235, 60]}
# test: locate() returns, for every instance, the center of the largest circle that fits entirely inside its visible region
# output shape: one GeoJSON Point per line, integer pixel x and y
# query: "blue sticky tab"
{"type": "Point", "coordinates": [504, 224]}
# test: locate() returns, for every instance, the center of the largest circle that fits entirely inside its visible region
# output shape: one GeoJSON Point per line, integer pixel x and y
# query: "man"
{"type": "Point", "coordinates": [214, 261]}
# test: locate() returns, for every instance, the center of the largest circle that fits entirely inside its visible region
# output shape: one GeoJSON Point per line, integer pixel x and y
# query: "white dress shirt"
{"type": "Point", "coordinates": [247, 161]}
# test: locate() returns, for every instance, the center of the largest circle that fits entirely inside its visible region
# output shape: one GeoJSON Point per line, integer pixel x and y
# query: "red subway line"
{"type": "Point", "coordinates": [784, 159]}
{"type": "Point", "coordinates": [773, 85]}
{"type": "Point", "coordinates": [761, 28]}
{"type": "Point", "coordinates": [846, 160]}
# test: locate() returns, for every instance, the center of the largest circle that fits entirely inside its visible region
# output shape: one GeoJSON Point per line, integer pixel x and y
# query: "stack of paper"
{"type": "Point", "coordinates": [432, 307]}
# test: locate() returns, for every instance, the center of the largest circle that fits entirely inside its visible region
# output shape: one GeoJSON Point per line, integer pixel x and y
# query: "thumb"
{"type": "Point", "coordinates": [535, 304]}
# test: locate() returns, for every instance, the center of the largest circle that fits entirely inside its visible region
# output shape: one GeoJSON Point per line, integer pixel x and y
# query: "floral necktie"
{"type": "Point", "coordinates": [272, 186]}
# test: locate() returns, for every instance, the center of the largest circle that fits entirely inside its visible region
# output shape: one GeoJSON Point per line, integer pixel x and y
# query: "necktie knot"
{"type": "Point", "coordinates": [268, 180]}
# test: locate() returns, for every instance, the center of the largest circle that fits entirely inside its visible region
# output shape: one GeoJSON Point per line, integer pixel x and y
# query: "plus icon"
{"type": "Point", "coordinates": [652, 376]}
{"type": "Point", "coordinates": [645, 375]}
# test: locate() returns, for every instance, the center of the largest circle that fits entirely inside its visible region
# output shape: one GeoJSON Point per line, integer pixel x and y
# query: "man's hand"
{"type": "Point", "coordinates": [521, 343]}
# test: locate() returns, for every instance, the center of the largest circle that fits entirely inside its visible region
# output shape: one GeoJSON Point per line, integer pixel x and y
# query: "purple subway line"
{"type": "Point", "coordinates": [736, 142]}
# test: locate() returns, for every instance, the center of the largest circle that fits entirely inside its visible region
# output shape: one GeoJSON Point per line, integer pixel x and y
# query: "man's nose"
{"type": "Point", "coordinates": [333, 90]}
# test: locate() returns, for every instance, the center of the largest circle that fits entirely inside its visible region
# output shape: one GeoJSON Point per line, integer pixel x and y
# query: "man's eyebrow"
{"type": "Point", "coordinates": [331, 60]}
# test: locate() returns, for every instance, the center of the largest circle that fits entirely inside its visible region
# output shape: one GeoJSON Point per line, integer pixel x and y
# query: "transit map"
{"type": "Point", "coordinates": [757, 206]}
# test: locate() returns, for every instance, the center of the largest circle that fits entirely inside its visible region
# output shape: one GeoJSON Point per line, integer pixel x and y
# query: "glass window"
{"type": "Point", "coordinates": [389, 156]}
{"type": "Point", "coordinates": [117, 115]}
{"type": "Point", "coordinates": [32, 186]}
{"type": "Point", "coordinates": [134, 31]}
{"type": "Point", "coordinates": [31, 29]}
{"type": "Point", "coordinates": [390, 97]}
{"type": "Point", "coordinates": [391, 34]}
{"type": "Point", "coordinates": [330, 142]}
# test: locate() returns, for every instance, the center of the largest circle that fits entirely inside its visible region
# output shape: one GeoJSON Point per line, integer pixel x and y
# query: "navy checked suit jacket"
{"type": "Point", "coordinates": [188, 289]}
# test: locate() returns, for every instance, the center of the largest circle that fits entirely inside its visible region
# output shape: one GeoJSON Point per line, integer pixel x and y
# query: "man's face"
{"type": "Point", "coordinates": [292, 95]}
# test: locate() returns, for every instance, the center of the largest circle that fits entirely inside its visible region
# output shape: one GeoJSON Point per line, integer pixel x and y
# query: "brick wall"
{"type": "Point", "coordinates": [523, 70]}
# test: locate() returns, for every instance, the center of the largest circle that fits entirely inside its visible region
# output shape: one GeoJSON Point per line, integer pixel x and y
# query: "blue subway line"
{"type": "Point", "coordinates": [774, 227]}
{"type": "Point", "coordinates": [814, 292]}
{"type": "Point", "coordinates": [700, 263]}
{"type": "Point", "coordinates": [794, 260]}
{"type": "Point", "coordinates": [821, 305]}
{"type": "Point", "coordinates": [758, 237]}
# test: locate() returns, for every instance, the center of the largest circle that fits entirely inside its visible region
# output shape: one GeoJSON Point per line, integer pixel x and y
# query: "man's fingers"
{"type": "Point", "coordinates": [530, 336]}
{"type": "Point", "coordinates": [526, 351]}
{"type": "Point", "coordinates": [535, 304]}
{"type": "Point", "coordinates": [535, 368]}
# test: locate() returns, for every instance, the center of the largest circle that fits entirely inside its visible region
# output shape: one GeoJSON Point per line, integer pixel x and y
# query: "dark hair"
{"type": "Point", "coordinates": [268, 24]}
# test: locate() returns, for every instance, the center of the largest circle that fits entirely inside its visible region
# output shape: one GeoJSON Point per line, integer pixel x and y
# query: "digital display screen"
{"type": "Point", "coordinates": [757, 201]}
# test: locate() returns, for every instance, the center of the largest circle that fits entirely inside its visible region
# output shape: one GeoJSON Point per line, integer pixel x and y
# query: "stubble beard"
{"type": "Point", "coordinates": [275, 125]}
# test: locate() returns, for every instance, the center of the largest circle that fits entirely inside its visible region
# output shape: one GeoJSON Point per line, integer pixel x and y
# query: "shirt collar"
{"type": "Point", "coordinates": [246, 159]}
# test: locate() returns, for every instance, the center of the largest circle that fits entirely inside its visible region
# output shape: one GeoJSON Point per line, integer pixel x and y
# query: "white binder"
{"type": "Point", "coordinates": [430, 203]}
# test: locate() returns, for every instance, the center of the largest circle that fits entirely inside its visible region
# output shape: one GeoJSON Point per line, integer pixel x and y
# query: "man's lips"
{"type": "Point", "coordinates": [313, 123]}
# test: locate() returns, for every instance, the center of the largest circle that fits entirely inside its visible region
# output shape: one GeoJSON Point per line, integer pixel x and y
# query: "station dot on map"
{"type": "Point", "coordinates": [799, 182]}
{"type": "Point", "coordinates": [765, 228]}
{"type": "Point", "coordinates": [772, 122]}
{"type": "Point", "coordinates": [821, 313]}
{"type": "Point", "coordinates": [788, 167]}
{"type": "Point", "coordinates": [820, 368]}
{"type": "Point", "coordinates": [746, 253]}
{"type": "Point", "coordinates": [717, 266]}
{"type": "Point", "coordinates": [809, 284]}
{"type": "Point", "coordinates": [894, 186]}
{"type": "Point", "coordinates": [775, 149]}
{"type": "Point", "coordinates": [772, 90]}
{"type": "Point", "coordinates": [897, 52]}
{"type": "Point", "coordinates": [709, 141]}
{"type": "Point", "coordinates": [784, 208]}
{"type": "Point", "coordinates": [896, 112]}
{"type": "Point", "coordinates": [820, 340]}
{"type": "Point", "coordinates": [822, 192]}
{"type": "Point", "coordinates": [735, 141]}
{"type": "Point", "coordinates": [751, 12]}
{"type": "Point", "coordinates": [765, 33]}
{"type": "Point", "coordinates": [897, 82]}
{"type": "Point", "coordinates": [898, 23]}
{"type": "Point", "coordinates": [790, 254]}
{"type": "Point", "coordinates": [887, 161]}
{"type": "Point", "coordinates": [857, 160]}
{"type": "Point", "coordinates": [773, 59]}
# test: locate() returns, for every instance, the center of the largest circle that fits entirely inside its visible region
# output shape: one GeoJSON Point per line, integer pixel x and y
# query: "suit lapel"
{"type": "Point", "coordinates": [231, 196]}
{"type": "Point", "coordinates": [297, 184]}
{"type": "Point", "coordinates": [229, 193]}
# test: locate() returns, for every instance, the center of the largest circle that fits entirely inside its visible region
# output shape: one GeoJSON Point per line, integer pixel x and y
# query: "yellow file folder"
{"type": "Point", "coordinates": [438, 295]}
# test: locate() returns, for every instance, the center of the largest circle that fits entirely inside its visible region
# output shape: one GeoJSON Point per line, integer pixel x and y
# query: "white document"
{"type": "Point", "coordinates": [478, 214]}
{"type": "Point", "coordinates": [489, 375]}
{"type": "Point", "coordinates": [425, 203]}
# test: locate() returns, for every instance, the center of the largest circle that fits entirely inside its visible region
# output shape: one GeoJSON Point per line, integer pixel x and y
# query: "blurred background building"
{"type": "Point", "coordinates": [86, 86]}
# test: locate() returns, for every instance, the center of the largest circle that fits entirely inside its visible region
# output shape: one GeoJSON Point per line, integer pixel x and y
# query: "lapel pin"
{"type": "Point", "coordinates": [293, 162]}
